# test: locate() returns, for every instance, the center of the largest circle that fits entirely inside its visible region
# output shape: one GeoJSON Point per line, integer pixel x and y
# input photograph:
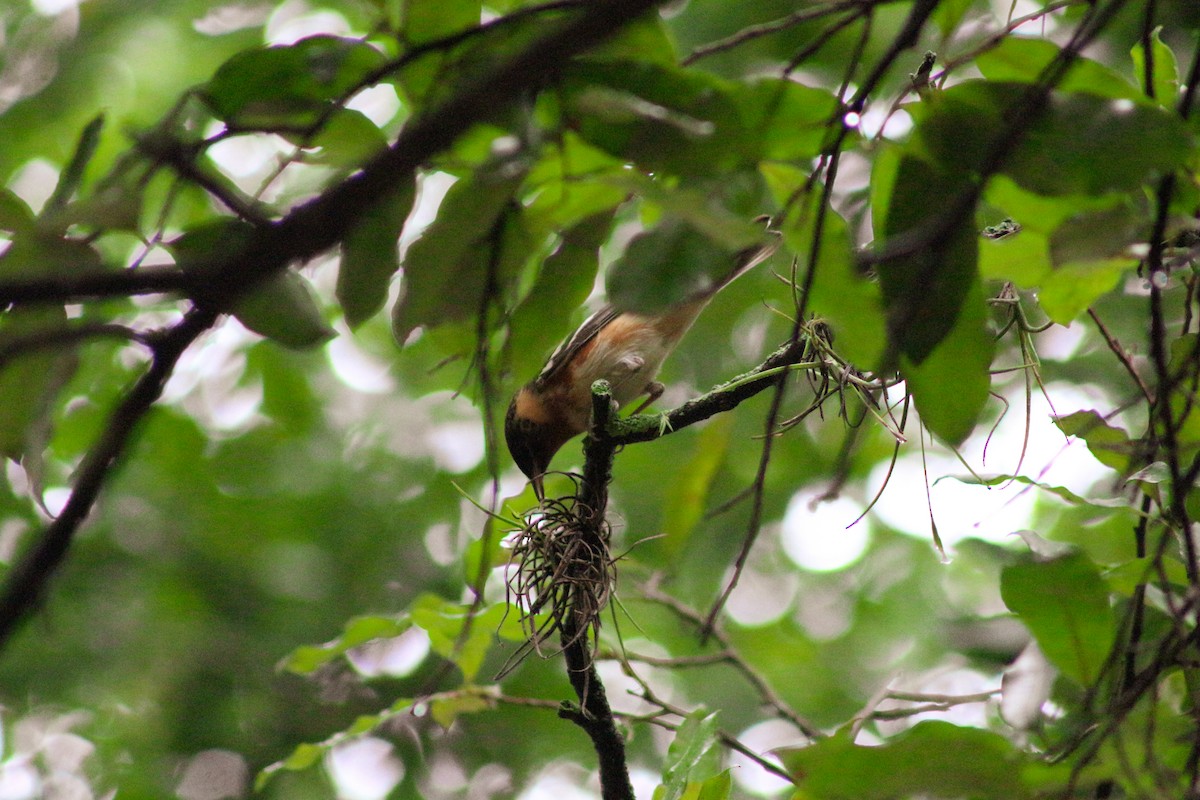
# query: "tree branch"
{"type": "Point", "coordinates": [73, 286]}
{"type": "Point", "coordinates": [29, 577]}
{"type": "Point", "coordinates": [322, 222]}
{"type": "Point", "coordinates": [594, 714]}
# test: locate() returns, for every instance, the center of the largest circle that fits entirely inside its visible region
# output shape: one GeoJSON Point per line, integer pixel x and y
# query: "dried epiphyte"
{"type": "Point", "coordinates": [561, 572]}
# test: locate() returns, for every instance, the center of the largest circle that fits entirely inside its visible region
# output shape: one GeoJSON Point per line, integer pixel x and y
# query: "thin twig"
{"type": "Point", "coordinates": [652, 593]}
{"type": "Point", "coordinates": [1122, 356]}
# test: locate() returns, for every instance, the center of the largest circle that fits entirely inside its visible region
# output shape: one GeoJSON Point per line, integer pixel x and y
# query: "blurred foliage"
{"type": "Point", "coordinates": [293, 582]}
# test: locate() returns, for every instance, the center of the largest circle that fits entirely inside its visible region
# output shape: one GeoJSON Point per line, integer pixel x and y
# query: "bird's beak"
{"type": "Point", "coordinates": [538, 490]}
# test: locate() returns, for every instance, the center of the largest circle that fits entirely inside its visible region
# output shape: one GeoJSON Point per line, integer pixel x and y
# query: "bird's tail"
{"type": "Point", "coordinates": [751, 257]}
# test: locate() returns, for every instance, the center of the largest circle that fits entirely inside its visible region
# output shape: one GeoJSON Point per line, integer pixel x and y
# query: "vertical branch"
{"type": "Point", "coordinates": [594, 714]}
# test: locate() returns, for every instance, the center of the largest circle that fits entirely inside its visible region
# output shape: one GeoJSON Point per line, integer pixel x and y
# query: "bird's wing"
{"type": "Point", "coordinates": [567, 351]}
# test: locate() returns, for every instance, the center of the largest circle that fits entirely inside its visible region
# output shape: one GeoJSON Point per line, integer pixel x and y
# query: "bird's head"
{"type": "Point", "coordinates": [534, 434]}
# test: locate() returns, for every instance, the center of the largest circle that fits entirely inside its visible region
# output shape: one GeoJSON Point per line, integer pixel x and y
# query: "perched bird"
{"type": "Point", "coordinates": [624, 348]}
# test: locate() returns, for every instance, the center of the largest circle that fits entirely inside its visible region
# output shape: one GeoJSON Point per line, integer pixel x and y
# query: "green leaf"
{"type": "Point", "coordinates": [687, 494]}
{"type": "Point", "coordinates": [197, 248]}
{"type": "Point", "coordinates": [284, 309]}
{"type": "Point", "coordinates": [573, 181]}
{"type": "Point", "coordinates": [287, 396]}
{"type": "Point", "coordinates": [288, 87]}
{"type": "Point", "coordinates": [357, 631]}
{"type": "Point", "coordinates": [347, 139]}
{"type": "Point", "coordinates": [425, 21]}
{"type": "Point", "coordinates": [925, 286]}
{"type": "Point", "coordinates": [666, 266]}
{"type": "Point", "coordinates": [962, 126]}
{"type": "Point", "coordinates": [646, 39]}
{"type": "Point", "coordinates": [444, 622]}
{"type": "Point", "coordinates": [785, 120]}
{"type": "Point", "coordinates": [371, 256]}
{"type": "Point", "coordinates": [718, 787]}
{"type": "Point", "coordinates": [15, 214]}
{"type": "Point", "coordinates": [1099, 235]}
{"type": "Point", "coordinates": [1105, 505]}
{"type": "Point", "coordinates": [1064, 603]}
{"type": "Point", "coordinates": [445, 710]}
{"type": "Point", "coordinates": [1051, 161]}
{"type": "Point", "coordinates": [563, 283]}
{"type": "Point", "coordinates": [840, 294]}
{"type": "Point", "coordinates": [1110, 445]}
{"type": "Point", "coordinates": [949, 13]}
{"type": "Point", "coordinates": [701, 207]}
{"type": "Point", "coordinates": [307, 754]}
{"type": "Point", "coordinates": [1022, 257]}
{"type": "Point", "coordinates": [693, 756]}
{"type": "Point", "coordinates": [1071, 289]}
{"type": "Point", "coordinates": [476, 557]}
{"type": "Point", "coordinates": [1022, 59]}
{"type": "Point", "coordinates": [302, 757]}
{"type": "Point", "coordinates": [932, 759]}
{"type": "Point", "coordinates": [446, 270]}
{"type": "Point", "coordinates": [665, 120]}
{"type": "Point", "coordinates": [71, 177]}
{"type": "Point", "coordinates": [1165, 77]}
{"type": "Point", "coordinates": [1035, 212]}
{"type": "Point", "coordinates": [30, 382]}
{"type": "Point", "coordinates": [950, 387]}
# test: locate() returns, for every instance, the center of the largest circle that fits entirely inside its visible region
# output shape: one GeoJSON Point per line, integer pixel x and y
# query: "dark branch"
{"type": "Point", "coordinates": [322, 222]}
{"type": "Point", "coordinates": [72, 286]}
{"type": "Point", "coordinates": [29, 577]}
{"type": "Point", "coordinates": [305, 232]}
{"type": "Point", "coordinates": [727, 396]}
{"type": "Point", "coordinates": [594, 714]}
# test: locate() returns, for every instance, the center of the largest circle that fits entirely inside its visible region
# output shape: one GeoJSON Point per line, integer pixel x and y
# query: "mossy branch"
{"type": "Point", "coordinates": [610, 432]}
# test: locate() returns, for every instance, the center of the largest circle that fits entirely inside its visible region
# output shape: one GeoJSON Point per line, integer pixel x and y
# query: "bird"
{"type": "Point", "coordinates": [624, 348]}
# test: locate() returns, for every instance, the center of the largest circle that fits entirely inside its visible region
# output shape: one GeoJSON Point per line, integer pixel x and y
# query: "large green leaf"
{"type": "Point", "coordinates": [572, 181]}
{"type": "Point", "coordinates": [15, 214]}
{"type": "Point", "coordinates": [563, 283]}
{"type": "Point", "coordinates": [926, 283]}
{"type": "Point", "coordinates": [1162, 66]}
{"type": "Point", "coordinates": [447, 270]}
{"type": "Point", "coordinates": [667, 265]}
{"type": "Point", "coordinates": [1022, 60]}
{"type": "Point", "coordinates": [841, 294]}
{"type": "Point", "coordinates": [1071, 289]}
{"type": "Point", "coordinates": [1110, 445]}
{"type": "Point", "coordinates": [933, 759]}
{"type": "Point", "coordinates": [30, 380]}
{"type": "Point", "coordinates": [693, 756]}
{"type": "Point", "coordinates": [1022, 257]}
{"type": "Point", "coordinates": [346, 140]}
{"type": "Point", "coordinates": [288, 87]}
{"type": "Point", "coordinates": [672, 120]}
{"type": "Point", "coordinates": [284, 308]}
{"type": "Point", "coordinates": [688, 488]}
{"type": "Point", "coordinates": [371, 255]}
{"type": "Point", "coordinates": [1126, 141]}
{"type": "Point", "coordinates": [785, 120]}
{"type": "Point", "coordinates": [1064, 603]}
{"type": "Point", "coordinates": [424, 22]}
{"type": "Point", "coordinates": [950, 387]}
